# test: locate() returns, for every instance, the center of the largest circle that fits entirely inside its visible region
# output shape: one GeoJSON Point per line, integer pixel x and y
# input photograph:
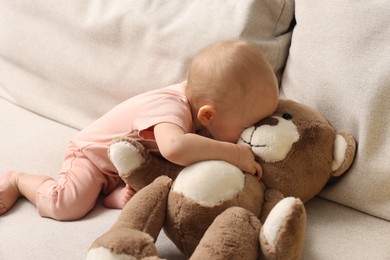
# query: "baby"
{"type": "Point", "coordinates": [230, 86]}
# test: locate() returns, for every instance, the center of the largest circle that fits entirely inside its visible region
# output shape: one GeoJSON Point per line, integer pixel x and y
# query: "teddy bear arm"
{"type": "Point", "coordinates": [150, 170]}
{"type": "Point", "coordinates": [136, 166]}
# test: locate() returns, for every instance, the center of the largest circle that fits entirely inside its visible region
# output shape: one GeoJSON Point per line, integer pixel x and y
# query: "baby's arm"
{"type": "Point", "coordinates": [187, 148]}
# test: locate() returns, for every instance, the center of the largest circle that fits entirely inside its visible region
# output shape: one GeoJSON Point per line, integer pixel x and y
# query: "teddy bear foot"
{"type": "Point", "coordinates": [127, 155]}
{"type": "Point", "coordinates": [282, 235]}
{"type": "Point", "coordinates": [107, 246]}
{"type": "Point", "coordinates": [234, 234]}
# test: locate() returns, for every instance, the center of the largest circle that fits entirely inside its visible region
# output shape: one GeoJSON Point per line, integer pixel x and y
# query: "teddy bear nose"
{"type": "Point", "coordinates": [268, 121]}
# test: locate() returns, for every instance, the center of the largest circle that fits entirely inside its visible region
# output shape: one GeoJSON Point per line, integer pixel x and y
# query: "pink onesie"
{"type": "Point", "coordinates": [87, 170]}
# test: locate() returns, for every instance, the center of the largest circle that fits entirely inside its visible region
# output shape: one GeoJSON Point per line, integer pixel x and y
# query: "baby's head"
{"type": "Point", "coordinates": [230, 87]}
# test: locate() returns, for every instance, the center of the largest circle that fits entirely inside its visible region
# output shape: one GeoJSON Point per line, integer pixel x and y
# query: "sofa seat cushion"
{"type": "Point", "coordinates": [335, 231]}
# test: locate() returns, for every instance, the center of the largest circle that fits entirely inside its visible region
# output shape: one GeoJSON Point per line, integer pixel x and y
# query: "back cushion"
{"type": "Point", "coordinates": [339, 62]}
{"type": "Point", "coordinates": [73, 60]}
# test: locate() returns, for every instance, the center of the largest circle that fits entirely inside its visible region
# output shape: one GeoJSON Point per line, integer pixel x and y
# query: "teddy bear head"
{"type": "Point", "coordinates": [299, 150]}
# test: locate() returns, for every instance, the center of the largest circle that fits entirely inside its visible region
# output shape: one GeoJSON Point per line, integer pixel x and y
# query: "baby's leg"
{"type": "Point", "coordinates": [76, 191]}
{"type": "Point", "coordinates": [72, 197]}
{"type": "Point", "coordinates": [16, 184]}
{"type": "Point", "coordinates": [118, 198]}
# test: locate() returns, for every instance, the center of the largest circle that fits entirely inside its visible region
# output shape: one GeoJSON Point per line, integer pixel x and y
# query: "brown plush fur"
{"type": "Point", "coordinates": [152, 168]}
{"type": "Point", "coordinates": [289, 246]}
{"type": "Point", "coordinates": [231, 228]}
{"type": "Point", "coordinates": [308, 166]}
{"type": "Point", "coordinates": [232, 223]}
{"type": "Point", "coordinates": [180, 223]}
{"type": "Point", "coordinates": [134, 234]}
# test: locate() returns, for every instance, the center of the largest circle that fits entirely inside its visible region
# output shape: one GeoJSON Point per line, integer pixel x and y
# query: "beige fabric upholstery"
{"type": "Point", "coordinates": [73, 60]}
{"type": "Point", "coordinates": [338, 232]}
{"type": "Point", "coordinates": [339, 62]}
{"type": "Point", "coordinates": [70, 61]}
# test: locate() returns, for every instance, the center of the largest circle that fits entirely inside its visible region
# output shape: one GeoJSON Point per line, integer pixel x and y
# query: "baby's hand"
{"type": "Point", "coordinates": [246, 161]}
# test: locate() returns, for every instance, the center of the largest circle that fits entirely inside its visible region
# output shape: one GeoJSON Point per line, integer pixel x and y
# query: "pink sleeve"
{"type": "Point", "coordinates": [170, 110]}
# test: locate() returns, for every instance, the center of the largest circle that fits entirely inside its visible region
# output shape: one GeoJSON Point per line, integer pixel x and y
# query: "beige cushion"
{"type": "Point", "coordinates": [73, 60]}
{"type": "Point", "coordinates": [339, 62]}
{"type": "Point", "coordinates": [338, 232]}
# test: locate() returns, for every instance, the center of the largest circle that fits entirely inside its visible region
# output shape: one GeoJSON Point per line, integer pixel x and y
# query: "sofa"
{"type": "Point", "coordinates": [65, 63]}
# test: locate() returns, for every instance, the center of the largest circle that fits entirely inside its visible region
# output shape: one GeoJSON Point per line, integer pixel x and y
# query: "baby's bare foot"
{"type": "Point", "coordinates": [118, 198]}
{"type": "Point", "coordinates": [9, 192]}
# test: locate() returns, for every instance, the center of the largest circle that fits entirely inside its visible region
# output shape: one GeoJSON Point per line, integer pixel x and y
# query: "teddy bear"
{"type": "Point", "coordinates": [212, 210]}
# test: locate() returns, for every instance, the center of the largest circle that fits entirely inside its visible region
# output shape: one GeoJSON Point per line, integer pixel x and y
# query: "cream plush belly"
{"type": "Point", "coordinates": [202, 182]}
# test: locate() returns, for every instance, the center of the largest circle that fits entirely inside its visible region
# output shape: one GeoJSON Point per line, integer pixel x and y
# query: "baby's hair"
{"type": "Point", "coordinates": [222, 68]}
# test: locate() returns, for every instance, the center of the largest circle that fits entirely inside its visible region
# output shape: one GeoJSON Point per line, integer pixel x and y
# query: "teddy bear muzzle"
{"type": "Point", "coordinates": [271, 139]}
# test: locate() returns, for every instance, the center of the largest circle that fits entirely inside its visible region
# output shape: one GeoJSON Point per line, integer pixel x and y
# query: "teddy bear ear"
{"type": "Point", "coordinates": [343, 153]}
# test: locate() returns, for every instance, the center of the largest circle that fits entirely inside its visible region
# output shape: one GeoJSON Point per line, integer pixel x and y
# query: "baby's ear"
{"type": "Point", "coordinates": [206, 114]}
{"type": "Point", "coordinates": [343, 153]}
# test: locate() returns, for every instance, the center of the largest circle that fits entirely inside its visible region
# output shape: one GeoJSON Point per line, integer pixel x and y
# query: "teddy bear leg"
{"type": "Point", "coordinates": [282, 235]}
{"type": "Point", "coordinates": [127, 155]}
{"type": "Point", "coordinates": [137, 227]}
{"type": "Point", "coordinates": [234, 234]}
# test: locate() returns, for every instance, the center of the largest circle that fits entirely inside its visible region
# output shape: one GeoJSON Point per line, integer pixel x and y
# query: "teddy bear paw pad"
{"type": "Point", "coordinates": [283, 232]}
{"type": "Point", "coordinates": [126, 157]}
